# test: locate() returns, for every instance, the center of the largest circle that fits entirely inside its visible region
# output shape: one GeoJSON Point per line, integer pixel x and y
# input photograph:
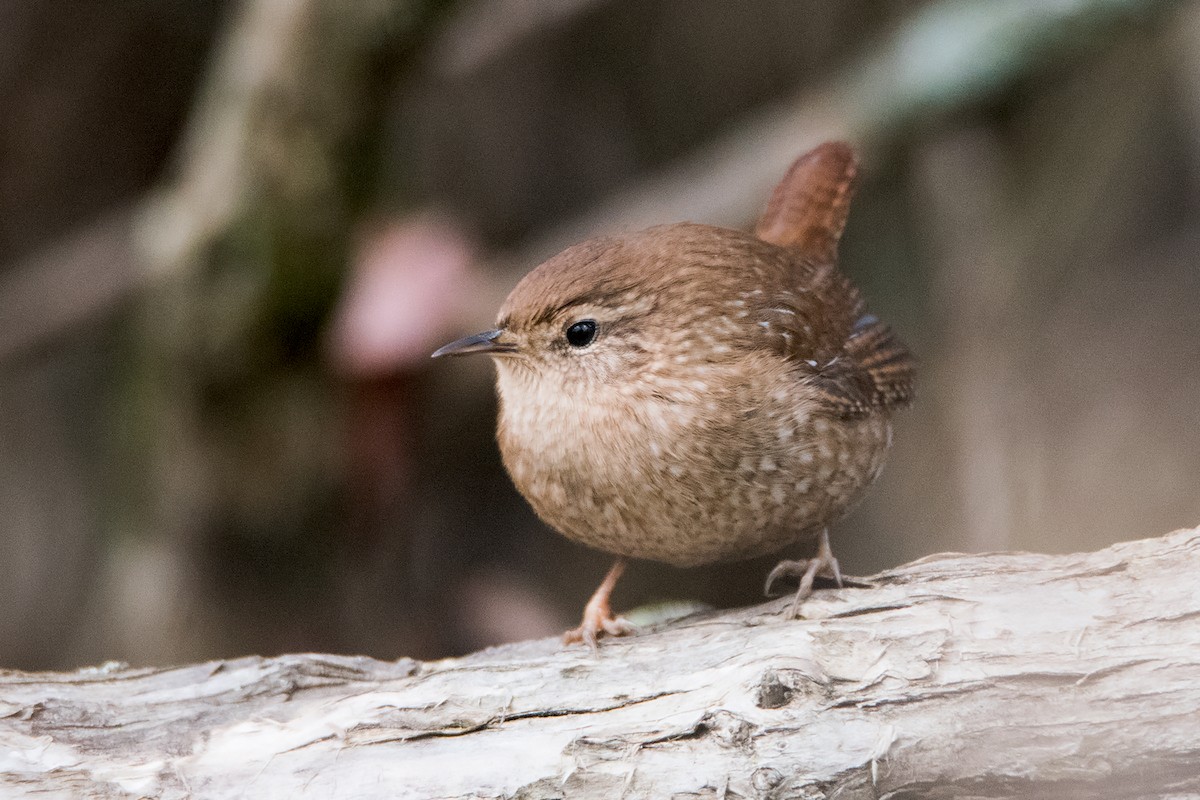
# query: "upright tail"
{"type": "Point", "coordinates": [808, 208]}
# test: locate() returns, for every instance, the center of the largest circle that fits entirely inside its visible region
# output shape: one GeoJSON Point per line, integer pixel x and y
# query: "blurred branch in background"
{"type": "Point", "coordinates": [92, 97]}
{"type": "Point", "coordinates": [289, 475]}
{"type": "Point", "coordinates": [247, 245]}
{"type": "Point", "coordinates": [947, 59]}
{"type": "Point", "coordinates": [1008, 254]}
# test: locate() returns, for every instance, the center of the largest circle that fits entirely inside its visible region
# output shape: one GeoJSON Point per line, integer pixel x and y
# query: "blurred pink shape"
{"type": "Point", "coordinates": [407, 286]}
{"type": "Point", "coordinates": [497, 605]}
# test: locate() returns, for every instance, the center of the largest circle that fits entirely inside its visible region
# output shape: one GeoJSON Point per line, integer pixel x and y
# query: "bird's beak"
{"type": "Point", "coordinates": [486, 342]}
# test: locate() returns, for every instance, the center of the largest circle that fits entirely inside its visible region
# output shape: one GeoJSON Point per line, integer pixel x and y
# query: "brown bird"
{"type": "Point", "coordinates": [693, 394]}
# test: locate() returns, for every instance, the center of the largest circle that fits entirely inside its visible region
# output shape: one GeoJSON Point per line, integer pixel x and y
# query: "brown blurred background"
{"type": "Point", "coordinates": [232, 232]}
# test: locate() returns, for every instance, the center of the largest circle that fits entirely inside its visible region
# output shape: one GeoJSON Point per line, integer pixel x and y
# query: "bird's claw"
{"type": "Point", "coordinates": [598, 618]}
{"type": "Point", "coordinates": [594, 626]}
{"type": "Point", "coordinates": [807, 570]}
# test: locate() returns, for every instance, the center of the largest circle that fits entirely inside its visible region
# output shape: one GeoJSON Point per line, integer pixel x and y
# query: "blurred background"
{"type": "Point", "coordinates": [232, 232]}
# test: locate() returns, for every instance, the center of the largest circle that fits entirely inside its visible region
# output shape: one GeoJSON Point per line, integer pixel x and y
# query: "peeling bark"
{"type": "Point", "coordinates": [1001, 675]}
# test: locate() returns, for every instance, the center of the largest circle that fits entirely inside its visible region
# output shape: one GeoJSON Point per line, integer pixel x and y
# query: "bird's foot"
{"type": "Point", "coordinates": [807, 570]}
{"type": "Point", "coordinates": [598, 618]}
{"type": "Point", "coordinates": [595, 625]}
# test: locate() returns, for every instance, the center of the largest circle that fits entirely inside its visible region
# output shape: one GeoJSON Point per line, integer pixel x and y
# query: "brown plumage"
{"type": "Point", "coordinates": [692, 394]}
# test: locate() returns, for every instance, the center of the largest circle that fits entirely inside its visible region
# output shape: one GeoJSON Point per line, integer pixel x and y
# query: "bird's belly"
{"type": "Point", "coordinates": [696, 501]}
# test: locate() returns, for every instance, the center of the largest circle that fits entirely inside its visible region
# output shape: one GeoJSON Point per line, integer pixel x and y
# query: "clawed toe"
{"type": "Point", "coordinates": [784, 569]}
{"type": "Point", "coordinates": [590, 630]}
{"type": "Point", "coordinates": [598, 618]}
{"type": "Point", "coordinates": [806, 570]}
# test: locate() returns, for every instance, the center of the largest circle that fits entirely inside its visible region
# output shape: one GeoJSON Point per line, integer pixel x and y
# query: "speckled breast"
{"type": "Point", "coordinates": [675, 484]}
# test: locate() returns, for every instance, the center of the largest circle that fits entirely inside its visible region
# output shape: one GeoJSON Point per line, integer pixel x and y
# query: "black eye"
{"type": "Point", "coordinates": [581, 333]}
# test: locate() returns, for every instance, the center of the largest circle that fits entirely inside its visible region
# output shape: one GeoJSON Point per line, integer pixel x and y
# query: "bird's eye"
{"type": "Point", "coordinates": [581, 333]}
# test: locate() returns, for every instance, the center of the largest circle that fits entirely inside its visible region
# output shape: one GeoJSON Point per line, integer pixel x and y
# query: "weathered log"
{"type": "Point", "coordinates": [1001, 675]}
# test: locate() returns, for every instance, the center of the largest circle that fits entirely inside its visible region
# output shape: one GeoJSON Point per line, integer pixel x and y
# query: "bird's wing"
{"type": "Point", "coordinates": [875, 370]}
{"type": "Point", "coordinates": [852, 359]}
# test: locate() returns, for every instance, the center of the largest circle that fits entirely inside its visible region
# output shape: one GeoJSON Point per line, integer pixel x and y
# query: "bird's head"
{"type": "Point", "coordinates": [614, 307]}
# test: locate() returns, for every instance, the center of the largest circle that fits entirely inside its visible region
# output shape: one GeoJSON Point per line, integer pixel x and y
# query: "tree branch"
{"type": "Point", "coordinates": [1002, 675]}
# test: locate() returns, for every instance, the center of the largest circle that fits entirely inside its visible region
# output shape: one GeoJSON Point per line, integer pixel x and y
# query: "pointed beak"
{"type": "Point", "coordinates": [486, 342]}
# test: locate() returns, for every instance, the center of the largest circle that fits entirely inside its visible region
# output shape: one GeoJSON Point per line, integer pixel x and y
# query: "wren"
{"type": "Point", "coordinates": [693, 394]}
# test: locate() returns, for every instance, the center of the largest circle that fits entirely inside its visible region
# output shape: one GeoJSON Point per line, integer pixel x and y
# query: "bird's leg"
{"type": "Point", "coordinates": [598, 618]}
{"type": "Point", "coordinates": [822, 562]}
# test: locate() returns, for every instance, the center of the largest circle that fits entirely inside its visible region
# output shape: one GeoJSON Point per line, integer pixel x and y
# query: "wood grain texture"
{"type": "Point", "coordinates": [1002, 675]}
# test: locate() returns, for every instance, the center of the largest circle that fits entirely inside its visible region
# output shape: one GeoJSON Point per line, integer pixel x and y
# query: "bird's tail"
{"type": "Point", "coordinates": [808, 208]}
